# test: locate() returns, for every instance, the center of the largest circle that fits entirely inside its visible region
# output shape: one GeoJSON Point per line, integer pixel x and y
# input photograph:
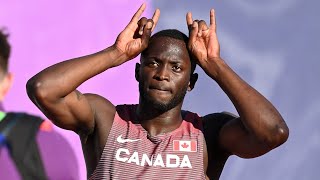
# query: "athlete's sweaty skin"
{"type": "Point", "coordinates": [164, 76]}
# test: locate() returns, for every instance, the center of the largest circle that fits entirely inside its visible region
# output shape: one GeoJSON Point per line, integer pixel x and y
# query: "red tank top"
{"type": "Point", "coordinates": [131, 153]}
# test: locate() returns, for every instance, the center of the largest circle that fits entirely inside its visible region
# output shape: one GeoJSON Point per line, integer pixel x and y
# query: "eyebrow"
{"type": "Point", "coordinates": [157, 59]}
{"type": "Point", "coordinates": [176, 61]}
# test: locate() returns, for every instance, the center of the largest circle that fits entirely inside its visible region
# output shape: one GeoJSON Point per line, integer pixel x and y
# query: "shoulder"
{"type": "Point", "coordinates": [22, 115]}
{"type": "Point", "coordinates": [211, 122]}
{"type": "Point", "coordinates": [26, 119]}
{"type": "Point", "coordinates": [97, 102]}
{"type": "Point", "coordinates": [103, 110]}
{"type": "Point", "coordinates": [23, 118]}
{"type": "Point", "coordinates": [217, 120]}
{"type": "Point", "coordinates": [212, 125]}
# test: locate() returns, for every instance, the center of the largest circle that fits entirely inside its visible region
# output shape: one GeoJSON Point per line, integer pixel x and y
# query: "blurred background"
{"type": "Point", "coordinates": [270, 44]}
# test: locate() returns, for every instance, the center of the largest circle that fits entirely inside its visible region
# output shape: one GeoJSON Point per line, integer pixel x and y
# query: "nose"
{"type": "Point", "coordinates": [162, 74]}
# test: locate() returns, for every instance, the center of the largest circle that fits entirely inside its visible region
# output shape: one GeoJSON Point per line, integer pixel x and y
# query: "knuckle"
{"type": "Point", "coordinates": [151, 20]}
{"type": "Point", "coordinates": [142, 21]}
{"type": "Point", "coordinates": [202, 23]}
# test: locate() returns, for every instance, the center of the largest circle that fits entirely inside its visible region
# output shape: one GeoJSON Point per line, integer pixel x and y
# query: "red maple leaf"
{"type": "Point", "coordinates": [184, 145]}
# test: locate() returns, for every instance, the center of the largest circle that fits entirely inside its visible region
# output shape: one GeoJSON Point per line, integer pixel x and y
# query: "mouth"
{"type": "Point", "coordinates": [159, 88]}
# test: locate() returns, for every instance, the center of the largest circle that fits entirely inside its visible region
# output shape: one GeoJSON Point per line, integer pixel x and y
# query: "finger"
{"type": "Point", "coordinates": [213, 19]}
{"type": "Point", "coordinates": [189, 20]}
{"type": "Point", "coordinates": [141, 24]}
{"type": "Point", "coordinates": [155, 18]}
{"type": "Point", "coordinates": [137, 15]}
{"type": "Point", "coordinates": [147, 33]}
{"type": "Point", "coordinates": [202, 27]}
{"type": "Point", "coordinates": [193, 32]}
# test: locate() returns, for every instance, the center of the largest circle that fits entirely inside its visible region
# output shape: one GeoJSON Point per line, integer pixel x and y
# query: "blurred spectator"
{"type": "Point", "coordinates": [29, 146]}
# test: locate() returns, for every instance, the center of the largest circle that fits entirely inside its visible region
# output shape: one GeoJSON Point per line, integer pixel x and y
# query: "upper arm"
{"type": "Point", "coordinates": [237, 140]}
{"type": "Point", "coordinates": [75, 112]}
{"type": "Point", "coordinates": [71, 112]}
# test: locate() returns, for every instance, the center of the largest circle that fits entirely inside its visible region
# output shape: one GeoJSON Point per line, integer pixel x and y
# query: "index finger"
{"type": "Point", "coordinates": [155, 18]}
{"type": "Point", "coordinates": [137, 15]}
{"type": "Point", "coordinates": [189, 19]}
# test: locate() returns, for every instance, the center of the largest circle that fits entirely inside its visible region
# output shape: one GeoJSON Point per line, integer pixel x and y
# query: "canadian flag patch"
{"type": "Point", "coordinates": [184, 145]}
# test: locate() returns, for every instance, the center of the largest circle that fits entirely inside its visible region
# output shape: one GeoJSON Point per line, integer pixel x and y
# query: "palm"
{"type": "Point", "coordinates": [134, 38]}
{"type": "Point", "coordinates": [128, 43]}
{"type": "Point", "coordinates": [199, 46]}
{"type": "Point", "coordinates": [203, 42]}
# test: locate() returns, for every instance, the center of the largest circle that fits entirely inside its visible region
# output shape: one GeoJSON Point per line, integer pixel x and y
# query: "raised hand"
{"type": "Point", "coordinates": [203, 40]}
{"type": "Point", "coordinates": [135, 37]}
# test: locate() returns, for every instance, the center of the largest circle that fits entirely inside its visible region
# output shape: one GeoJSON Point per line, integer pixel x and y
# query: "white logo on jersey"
{"type": "Point", "coordinates": [120, 140]}
{"type": "Point", "coordinates": [172, 160]}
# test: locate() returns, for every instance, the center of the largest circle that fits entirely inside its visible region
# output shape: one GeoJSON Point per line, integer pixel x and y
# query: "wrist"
{"type": "Point", "coordinates": [214, 67]}
{"type": "Point", "coordinates": [116, 55]}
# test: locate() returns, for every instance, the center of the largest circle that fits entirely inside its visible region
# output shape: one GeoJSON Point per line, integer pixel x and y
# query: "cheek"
{"type": "Point", "coordinates": [181, 84]}
{"type": "Point", "coordinates": [143, 75]}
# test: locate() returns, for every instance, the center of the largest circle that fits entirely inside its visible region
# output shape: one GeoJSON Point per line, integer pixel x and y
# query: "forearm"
{"type": "Point", "coordinates": [257, 114]}
{"type": "Point", "coordinates": [61, 79]}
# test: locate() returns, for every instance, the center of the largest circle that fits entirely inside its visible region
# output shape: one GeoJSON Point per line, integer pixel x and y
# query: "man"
{"type": "Point", "coordinates": [29, 146]}
{"type": "Point", "coordinates": [155, 139]}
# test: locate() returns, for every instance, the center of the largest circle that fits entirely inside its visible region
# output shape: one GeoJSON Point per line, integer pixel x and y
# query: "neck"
{"type": "Point", "coordinates": [156, 121]}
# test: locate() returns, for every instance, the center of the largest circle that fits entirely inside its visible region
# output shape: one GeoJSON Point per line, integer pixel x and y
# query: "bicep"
{"type": "Point", "coordinates": [72, 112]}
{"type": "Point", "coordinates": [236, 139]}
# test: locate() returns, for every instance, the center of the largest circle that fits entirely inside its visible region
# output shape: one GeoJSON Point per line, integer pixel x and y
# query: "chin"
{"type": "Point", "coordinates": [162, 104]}
{"type": "Point", "coordinates": [164, 107]}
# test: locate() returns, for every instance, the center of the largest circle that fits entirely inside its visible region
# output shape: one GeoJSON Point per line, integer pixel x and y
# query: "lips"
{"type": "Point", "coordinates": [159, 88]}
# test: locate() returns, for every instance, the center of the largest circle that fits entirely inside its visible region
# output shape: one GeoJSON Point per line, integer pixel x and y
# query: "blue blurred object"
{"type": "Point", "coordinates": [3, 141]}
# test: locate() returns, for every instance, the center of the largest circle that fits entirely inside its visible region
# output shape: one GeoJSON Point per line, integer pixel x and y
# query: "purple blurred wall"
{"type": "Point", "coordinates": [46, 32]}
{"type": "Point", "coordinates": [272, 45]}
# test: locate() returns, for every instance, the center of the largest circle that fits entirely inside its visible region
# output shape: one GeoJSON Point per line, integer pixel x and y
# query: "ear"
{"type": "Point", "coordinates": [137, 71]}
{"type": "Point", "coordinates": [192, 82]}
{"type": "Point", "coordinates": [5, 85]}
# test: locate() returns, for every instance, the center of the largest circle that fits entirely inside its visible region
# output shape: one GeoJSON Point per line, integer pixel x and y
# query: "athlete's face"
{"type": "Point", "coordinates": [164, 73]}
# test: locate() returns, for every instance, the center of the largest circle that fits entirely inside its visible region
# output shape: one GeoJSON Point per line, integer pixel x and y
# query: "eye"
{"type": "Point", "coordinates": [153, 64]}
{"type": "Point", "coordinates": [176, 68]}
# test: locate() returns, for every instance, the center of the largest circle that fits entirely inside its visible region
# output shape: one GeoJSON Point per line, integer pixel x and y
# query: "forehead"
{"type": "Point", "coordinates": [167, 47]}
